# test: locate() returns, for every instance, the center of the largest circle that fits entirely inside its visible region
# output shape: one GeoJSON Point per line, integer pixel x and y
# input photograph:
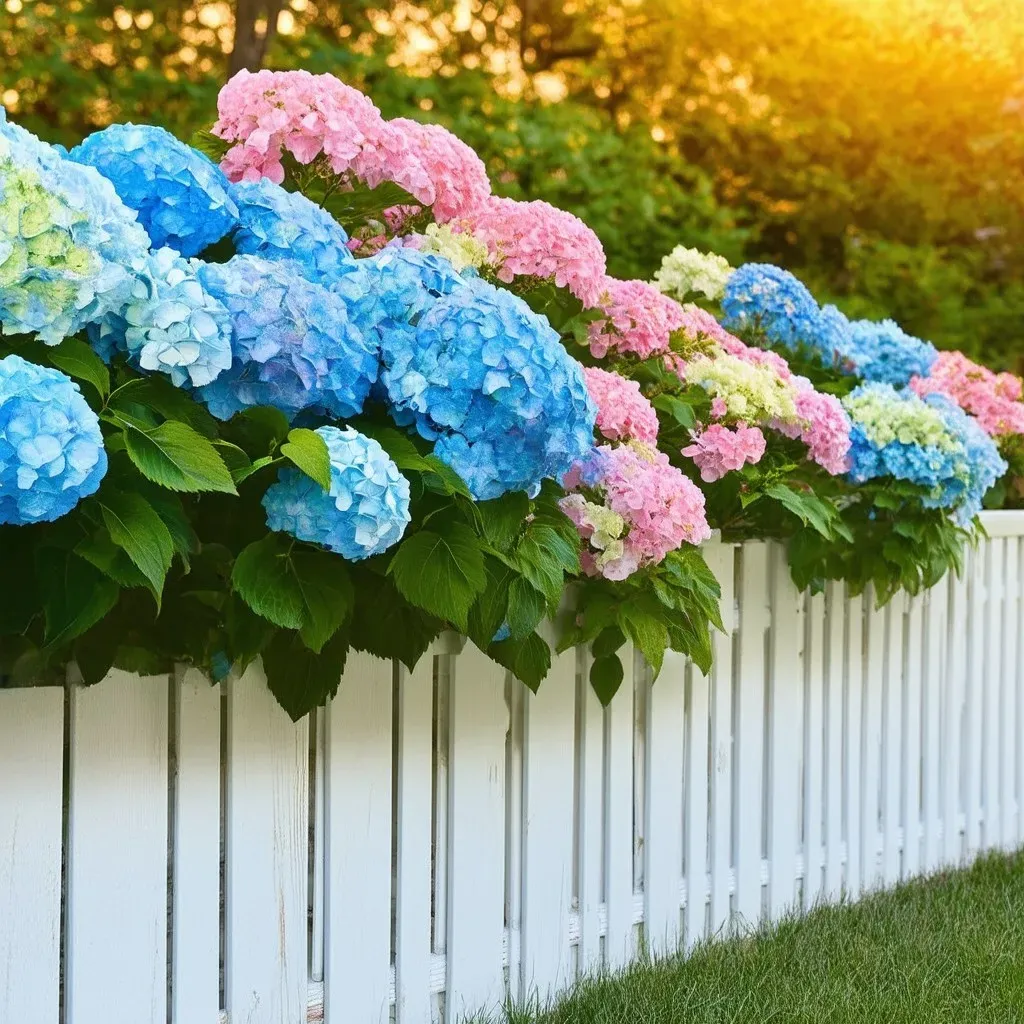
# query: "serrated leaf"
{"type": "Point", "coordinates": [263, 425]}
{"type": "Point", "coordinates": [209, 144]}
{"type": "Point", "coordinates": [528, 658]}
{"type": "Point", "coordinates": [491, 606]}
{"type": "Point", "coordinates": [503, 517]}
{"type": "Point", "coordinates": [327, 593]}
{"type": "Point", "coordinates": [440, 477]}
{"type": "Point", "coordinates": [606, 677]}
{"type": "Point", "coordinates": [526, 607]}
{"type": "Point", "coordinates": [76, 595]}
{"type": "Point", "coordinates": [682, 413]}
{"type": "Point", "coordinates": [136, 528]}
{"type": "Point", "coordinates": [157, 393]}
{"type": "Point", "coordinates": [78, 360]}
{"type": "Point", "coordinates": [174, 456]}
{"type": "Point", "coordinates": [307, 451]}
{"type": "Point", "coordinates": [440, 570]}
{"type": "Point", "coordinates": [99, 550]}
{"type": "Point", "coordinates": [299, 678]}
{"type": "Point", "coordinates": [263, 578]}
{"type": "Point", "coordinates": [646, 629]}
{"type": "Point", "coordinates": [808, 508]}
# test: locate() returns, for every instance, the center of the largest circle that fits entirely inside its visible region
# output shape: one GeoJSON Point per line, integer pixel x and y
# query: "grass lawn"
{"type": "Point", "coordinates": [944, 949]}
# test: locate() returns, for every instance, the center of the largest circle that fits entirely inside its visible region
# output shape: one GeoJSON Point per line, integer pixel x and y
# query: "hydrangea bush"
{"type": "Point", "coordinates": [312, 387]}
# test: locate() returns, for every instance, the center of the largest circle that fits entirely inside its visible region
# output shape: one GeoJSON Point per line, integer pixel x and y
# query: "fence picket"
{"type": "Point", "coordinates": [892, 841]}
{"type": "Point", "coordinates": [31, 797]}
{"type": "Point", "coordinates": [663, 817]}
{"type": "Point", "coordinates": [357, 962]}
{"type": "Point", "coordinates": [117, 852]}
{"type": "Point", "coordinates": [853, 769]}
{"type": "Point", "coordinates": [195, 986]}
{"type": "Point", "coordinates": [786, 732]}
{"type": "Point", "coordinates": [953, 721]}
{"type": "Point", "coordinates": [412, 885]}
{"type": "Point", "coordinates": [992, 831]}
{"type": "Point", "coordinates": [618, 943]}
{"type": "Point", "coordinates": [476, 836]}
{"type": "Point", "coordinates": [835, 658]}
{"type": "Point", "coordinates": [548, 760]}
{"type": "Point", "coordinates": [911, 745]}
{"type": "Point", "coordinates": [722, 750]}
{"type": "Point", "coordinates": [1008, 688]}
{"type": "Point", "coordinates": [814, 748]}
{"type": "Point", "coordinates": [974, 680]}
{"type": "Point", "coordinates": [695, 820]}
{"type": "Point", "coordinates": [873, 709]}
{"type": "Point", "coordinates": [590, 819]}
{"type": "Point", "coordinates": [934, 678]}
{"type": "Point", "coordinates": [266, 857]}
{"type": "Point", "coordinates": [750, 724]}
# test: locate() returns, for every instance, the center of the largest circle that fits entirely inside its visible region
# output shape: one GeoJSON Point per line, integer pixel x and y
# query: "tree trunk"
{"type": "Point", "coordinates": [251, 45]}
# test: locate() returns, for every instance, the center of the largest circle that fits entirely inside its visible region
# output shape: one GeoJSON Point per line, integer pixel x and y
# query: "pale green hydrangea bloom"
{"type": "Point", "coordinates": [751, 392]}
{"type": "Point", "coordinates": [685, 271]}
{"type": "Point", "coordinates": [461, 249]}
{"type": "Point", "coordinates": [909, 422]}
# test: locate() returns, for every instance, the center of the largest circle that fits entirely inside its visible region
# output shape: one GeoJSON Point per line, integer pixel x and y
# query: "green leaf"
{"type": "Point", "coordinates": [399, 446]}
{"type": "Point", "coordinates": [99, 550]}
{"type": "Point", "coordinates": [503, 517]}
{"type": "Point", "coordinates": [209, 144]}
{"type": "Point", "coordinates": [526, 607]}
{"type": "Point", "coordinates": [76, 595]}
{"type": "Point", "coordinates": [491, 606]}
{"type": "Point", "coordinates": [440, 477]}
{"type": "Point", "coordinates": [386, 625]}
{"type": "Point", "coordinates": [263, 426]}
{"type": "Point", "coordinates": [263, 578]}
{"type": "Point", "coordinates": [606, 677]}
{"type": "Point", "coordinates": [78, 360]}
{"type": "Point", "coordinates": [136, 528]}
{"type": "Point", "coordinates": [299, 678]}
{"type": "Point", "coordinates": [808, 508]}
{"type": "Point", "coordinates": [528, 659]}
{"type": "Point", "coordinates": [607, 642]}
{"type": "Point", "coordinates": [646, 629]}
{"type": "Point", "coordinates": [682, 413]}
{"type": "Point", "coordinates": [247, 632]}
{"type": "Point", "coordinates": [544, 556]}
{"type": "Point", "coordinates": [157, 393]}
{"type": "Point", "coordinates": [441, 570]}
{"type": "Point", "coordinates": [327, 594]}
{"type": "Point", "coordinates": [307, 450]}
{"type": "Point", "coordinates": [174, 456]}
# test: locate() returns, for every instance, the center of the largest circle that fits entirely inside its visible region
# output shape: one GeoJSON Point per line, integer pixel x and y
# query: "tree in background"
{"type": "Point", "coordinates": [876, 147]}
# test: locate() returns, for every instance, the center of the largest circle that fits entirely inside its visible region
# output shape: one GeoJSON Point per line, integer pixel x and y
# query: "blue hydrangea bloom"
{"type": "Point", "coordinates": [293, 343]}
{"type": "Point", "coordinates": [183, 198]}
{"type": "Point", "coordinates": [490, 380]}
{"type": "Point", "coordinates": [930, 442]}
{"type": "Point", "coordinates": [884, 352]}
{"type": "Point", "coordinates": [832, 337]}
{"type": "Point", "coordinates": [67, 242]}
{"type": "Point", "coordinates": [51, 449]}
{"type": "Point", "coordinates": [169, 323]}
{"type": "Point", "coordinates": [759, 295]}
{"type": "Point", "coordinates": [366, 511]}
{"type": "Point", "coordinates": [981, 468]}
{"type": "Point", "coordinates": [408, 281]}
{"type": "Point", "coordinates": [277, 224]}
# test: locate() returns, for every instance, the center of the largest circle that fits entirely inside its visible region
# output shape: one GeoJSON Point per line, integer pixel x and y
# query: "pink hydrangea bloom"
{"type": "Point", "coordinates": [639, 321]}
{"type": "Point", "coordinates": [458, 175]}
{"type": "Point", "coordinates": [824, 428]}
{"type": "Point", "coordinates": [718, 450]}
{"type": "Point", "coordinates": [661, 509]}
{"type": "Point", "coordinates": [993, 398]}
{"type": "Point", "coordinates": [698, 323]}
{"type": "Point", "coordinates": [623, 413]}
{"type": "Point", "coordinates": [272, 112]}
{"type": "Point", "coordinates": [537, 240]}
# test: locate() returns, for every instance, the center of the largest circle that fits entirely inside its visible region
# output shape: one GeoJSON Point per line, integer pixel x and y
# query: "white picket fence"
{"type": "Point", "coordinates": [173, 852]}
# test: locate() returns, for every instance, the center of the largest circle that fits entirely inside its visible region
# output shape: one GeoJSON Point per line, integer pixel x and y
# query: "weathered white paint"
{"type": "Point", "coordinates": [471, 839]}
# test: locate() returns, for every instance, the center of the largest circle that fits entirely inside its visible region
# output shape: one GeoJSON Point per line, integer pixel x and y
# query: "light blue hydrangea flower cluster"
{"type": "Point", "coordinates": [408, 281]}
{"type": "Point", "coordinates": [490, 380]}
{"type": "Point", "coordinates": [759, 295]}
{"type": "Point", "coordinates": [169, 323]}
{"type": "Point", "coordinates": [51, 450]}
{"type": "Point", "coordinates": [366, 511]}
{"type": "Point", "coordinates": [884, 352]}
{"type": "Point", "coordinates": [277, 224]}
{"type": "Point", "coordinates": [984, 464]}
{"type": "Point", "coordinates": [293, 343]}
{"type": "Point", "coordinates": [929, 442]}
{"type": "Point", "coordinates": [182, 197]}
{"type": "Point", "coordinates": [67, 242]}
